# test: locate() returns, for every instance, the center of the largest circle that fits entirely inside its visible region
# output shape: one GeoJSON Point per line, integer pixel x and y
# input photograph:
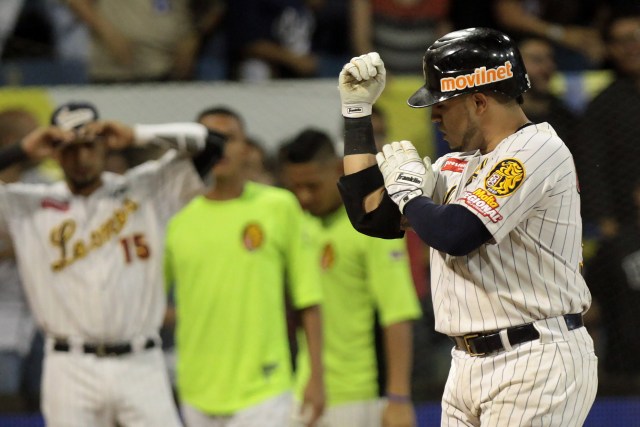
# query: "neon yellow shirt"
{"type": "Point", "coordinates": [360, 275]}
{"type": "Point", "coordinates": [227, 260]}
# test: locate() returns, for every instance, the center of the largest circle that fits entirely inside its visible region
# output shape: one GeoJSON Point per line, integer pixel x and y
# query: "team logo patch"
{"type": "Point", "coordinates": [480, 77]}
{"type": "Point", "coordinates": [328, 257]}
{"type": "Point", "coordinates": [484, 203]}
{"type": "Point", "coordinates": [60, 205]}
{"type": "Point", "coordinates": [505, 177]}
{"type": "Point", "coordinates": [253, 237]}
{"type": "Point", "coordinates": [454, 165]}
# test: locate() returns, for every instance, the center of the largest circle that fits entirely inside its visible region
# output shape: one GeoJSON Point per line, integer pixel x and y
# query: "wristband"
{"type": "Point", "coordinates": [398, 398]}
{"type": "Point", "coordinates": [358, 136]}
{"type": "Point", "coordinates": [355, 111]}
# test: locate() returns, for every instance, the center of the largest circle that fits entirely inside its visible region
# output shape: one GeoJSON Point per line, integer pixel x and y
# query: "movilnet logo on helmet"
{"type": "Point", "coordinates": [480, 77]}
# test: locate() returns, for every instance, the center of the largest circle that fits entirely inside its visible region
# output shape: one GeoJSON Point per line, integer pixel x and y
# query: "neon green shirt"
{"type": "Point", "coordinates": [360, 275]}
{"type": "Point", "coordinates": [227, 260]}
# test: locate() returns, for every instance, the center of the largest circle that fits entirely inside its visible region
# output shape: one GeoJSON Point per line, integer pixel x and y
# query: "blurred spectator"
{"type": "Point", "coordinates": [209, 15]}
{"type": "Point", "coordinates": [572, 25]}
{"type": "Point", "coordinates": [139, 40]}
{"type": "Point", "coordinates": [540, 104]}
{"type": "Point", "coordinates": [399, 30]}
{"type": "Point", "coordinates": [613, 276]}
{"type": "Point", "coordinates": [270, 39]}
{"type": "Point", "coordinates": [16, 323]}
{"type": "Point", "coordinates": [230, 253]}
{"type": "Point", "coordinates": [28, 31]}
{"type": "Point", "coordinates": [360, 276]}
{"type": "Point", "coordinates": [70, 34]}
{"type": "Point", "coordinates": [607, 135]}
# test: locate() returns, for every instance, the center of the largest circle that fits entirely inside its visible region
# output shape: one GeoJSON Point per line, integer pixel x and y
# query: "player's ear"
{"type": "Point", "coordinates": [480, 101]}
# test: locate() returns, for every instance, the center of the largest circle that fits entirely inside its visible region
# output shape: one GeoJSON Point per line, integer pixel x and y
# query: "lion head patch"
{"type": "Point", "coordinates": [505, 177]}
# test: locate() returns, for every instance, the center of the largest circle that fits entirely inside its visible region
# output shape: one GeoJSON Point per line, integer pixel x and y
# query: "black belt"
{"type": "Point", "coordinates": [484, 343]}
{"type": "Point", "coordinates": [102, 350]}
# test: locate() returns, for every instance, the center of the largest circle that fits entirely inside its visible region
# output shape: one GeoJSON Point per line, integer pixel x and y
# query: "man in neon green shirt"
{"type": "Point", "coordinates": [227, 253]}
{"type": "Point", "coordinates": [361, 276]}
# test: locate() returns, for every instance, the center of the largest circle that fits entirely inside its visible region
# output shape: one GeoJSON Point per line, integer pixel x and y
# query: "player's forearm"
{"type": "Point", "coordinates": [187, 137]}
{"type": "Point", "coordinates": [86, 12]}
{"type": "Point", "coordinates": [312, 325]}
{"type": "Point", "coordinates": [359, 154]}
{"type": "Point", "coordinates": [398, 341]}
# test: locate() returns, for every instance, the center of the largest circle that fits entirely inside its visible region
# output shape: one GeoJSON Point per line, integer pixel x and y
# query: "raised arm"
{"type": "Point", "coordinates": [205, 146]}
{"type": "Point", "coordinates": [370, 210]}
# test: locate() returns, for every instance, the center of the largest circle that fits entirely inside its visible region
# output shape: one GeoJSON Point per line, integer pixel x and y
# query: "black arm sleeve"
{"type": "Point", "coordinates": [448, 228]}
{"type": "Point", "coordinates": [384, 221]}
{"type": "Point", "coordinates": [11, 154]}
{"type": "Point", "coordinates": [211, 154]}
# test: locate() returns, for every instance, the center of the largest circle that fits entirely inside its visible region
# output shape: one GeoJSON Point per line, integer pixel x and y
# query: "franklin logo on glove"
{"type": "Point", "coordinates": [409, 178]}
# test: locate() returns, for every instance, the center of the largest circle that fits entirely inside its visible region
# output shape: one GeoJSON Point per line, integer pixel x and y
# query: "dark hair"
{"type": "Point", "coordinates": [222, 111]}
{"type": "Point", "coordinates": [309, 145]}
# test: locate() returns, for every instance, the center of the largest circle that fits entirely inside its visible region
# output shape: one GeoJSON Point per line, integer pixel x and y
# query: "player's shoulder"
{"type": "Point", "coordinates": [535, 137]}
{"type": "Point", "coordinates": [268, 194]}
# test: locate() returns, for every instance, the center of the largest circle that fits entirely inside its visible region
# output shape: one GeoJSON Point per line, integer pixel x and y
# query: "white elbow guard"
{"type": "Point", "coordinates": [188, 137]}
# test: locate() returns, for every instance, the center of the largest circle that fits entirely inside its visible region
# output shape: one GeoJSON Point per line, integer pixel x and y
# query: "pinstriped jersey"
{"type": "Point", "coordinates": [525, 192]}
{"type": "Point", "coordinates": [92, 266]}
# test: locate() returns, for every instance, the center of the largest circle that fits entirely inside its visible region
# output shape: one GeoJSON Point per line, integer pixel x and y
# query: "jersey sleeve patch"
{"type": "Point", "coordinates": [505, 177]}
{"type": "Point", "coordinates": [454, 165]}
{"type": "Point", "coordinates": [484, 203]}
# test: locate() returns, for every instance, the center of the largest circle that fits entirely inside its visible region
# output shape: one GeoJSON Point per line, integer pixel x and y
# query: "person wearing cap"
{"type": "Point", "coordinates": [501, 214]}
{"type": "Point", "coordinates": [89, 250]}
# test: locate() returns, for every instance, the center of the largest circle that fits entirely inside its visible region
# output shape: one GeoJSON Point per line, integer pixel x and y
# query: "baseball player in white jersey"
{"type": "Point", "coordinates": [89, 250]}
{"type": "Point", "coordinates": [502, 217]}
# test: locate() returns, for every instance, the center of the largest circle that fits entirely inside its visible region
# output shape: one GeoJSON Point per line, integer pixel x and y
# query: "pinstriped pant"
{"type": "Point", "coordinates": [547, 382]}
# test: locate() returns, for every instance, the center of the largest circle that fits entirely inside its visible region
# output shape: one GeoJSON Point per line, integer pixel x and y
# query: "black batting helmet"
{"type": "Point", "coordinates": [471, 60]}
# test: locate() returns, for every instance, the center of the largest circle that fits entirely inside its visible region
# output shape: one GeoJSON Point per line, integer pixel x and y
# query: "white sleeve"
{"type": "Point", "coordinates": [511, 187]}
{"type": "Point", "coordinates": [185, 137]}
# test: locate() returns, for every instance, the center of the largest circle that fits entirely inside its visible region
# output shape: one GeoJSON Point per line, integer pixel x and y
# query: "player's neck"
{"type": "Point", "coordinates": [502, 126]}
{"type": "Point", "coordinates": [84, 190]}
{"type": "Point", "coordinates": [226, 189]}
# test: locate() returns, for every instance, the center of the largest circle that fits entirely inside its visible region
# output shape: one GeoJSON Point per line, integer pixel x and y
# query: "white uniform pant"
{"type": "Point", "coordinates": [551, 381]}
{"type": "Point", "coordinates": [366, 413]}
{"type": "Point", "coordinates": [273, 412]}
{"type": "Point", "coordinates": [82, 390]}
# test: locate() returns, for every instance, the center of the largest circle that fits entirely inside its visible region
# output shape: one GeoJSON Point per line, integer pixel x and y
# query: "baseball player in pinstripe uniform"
{"type": "Point", "coordinates": [89, 250]}
{"type": "Point", "coordinates": [501, 214]}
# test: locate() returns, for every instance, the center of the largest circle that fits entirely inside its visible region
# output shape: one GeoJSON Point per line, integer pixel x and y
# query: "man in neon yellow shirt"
{"type": "Point", "coordinates": [361, 276]}
{"type": "Point", "coordinates": [227, 253]}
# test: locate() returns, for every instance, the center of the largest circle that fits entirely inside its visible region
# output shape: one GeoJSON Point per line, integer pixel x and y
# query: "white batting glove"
{"type": "Point", "coordinates": [360, 83]}
{"type": "Point", "coordinates": [406, 175]}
